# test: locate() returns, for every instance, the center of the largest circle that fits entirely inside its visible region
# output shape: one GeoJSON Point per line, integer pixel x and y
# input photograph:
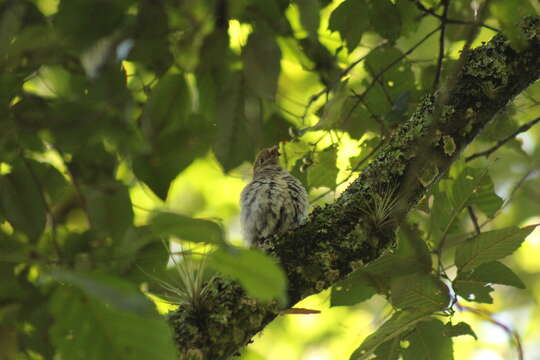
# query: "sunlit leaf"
{"type": "Point", "coordinates": [22, 199]}
{"type": "Point", "coordinates": [390, 350]}
{"type": "Point", "coordinates": [398, 324]}
{"type": "Point", "coordinates": [258, 274]}
{"type": "Point", "coordinates": [386, 20]}
{"type": "Point", "coordinates": [186, 228]}
{"type": "Point", "coordinates": [309, 15]}
{"type": "Point", "coordinates": [461, 328]}
{"type": "Point", "coordinates": [419, 291]}
{"type": "Point", "coordinates": [324, 171]}
{"type": "Point", "coordinates": [490, 246]}
{"type": "Point", "coordinates": [429, 341]}
{"type": "Point", "coordinates": [473, 290]}
{"type": "Point", "coordinates": [109, 209]}
{"type": "Point", "coordinates": [151, 43]}
{"type": "Point", "coordinates": [262, 67]}
{"type": "Point", "coordinates": [351, 20]}
{"type": "Point", "coordinates": [350, 292]}
{"type": "Point", "coordinates": [85, 327]}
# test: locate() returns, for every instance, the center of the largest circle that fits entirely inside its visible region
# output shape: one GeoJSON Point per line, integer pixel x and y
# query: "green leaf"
{"type": "Point", "coordinates": [21, 200]}
{"type": "Point", "coordinates": [411, 257]}
{"type": "Point", "coordinates": [261, 57]}
{"type": "Point", "coordinates": [473, 290]}
{"type": "Point", "coordinates": [152, 37]}
{"type": "Point", "coordinates": [175, 136]}
{"type": "Point", "coordinates": [490, 246]}
{"type": "Point", "coordinates": [231, 147]}
{"type": "Point", "coordinates": [324, 171]}
{"type": "Point", "coordinates": [475, 187]}
{"type": "Point", "coordinates": [351, 20]}
{"type": "Point", "coordinates": [167, 107]}
{"type": "Point", "coordinates": [390, 350]}
{"type": "Point", "coordinates": [309, 15]}
{"type": "Point", "coordinates": [429, 341]}
{"type": "Point", "coordinates": [86, 328]}
{"type": "Point", "coordinates": [109, 209]}
{"type": "Point", "coordinates": [420, 291]}
{"type": "Point", "coordinates": [476, 284]}
{"type": "Point", "coordinates": [471, 187]}
{"type": "Point", "coordinates": [461, 328]}
{"type": "Point", "coordinates": [258, 273]}
{"type": "Point", "coordinates": [408, 14]}
{"type": "Point", "coordinates": [350, 292]}
{"type": "Point", "coordinates": [83, 22]}
{"type": "Point", "coordinates": [186, 228]}
{"type": "Point", "coordinates": [393, 84]}
{"type": "Point", "coordinates": [113, 291]}
{"type": "Point", "coordinates": [398, 324]}
{"type": "Point", "coordinates": [385, 18]}
{"type": "Point", "coordinates": [496, 273]}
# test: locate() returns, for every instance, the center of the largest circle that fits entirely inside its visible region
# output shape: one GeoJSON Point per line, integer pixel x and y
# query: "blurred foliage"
{"type": "Point", "coordinates": [126, 123]}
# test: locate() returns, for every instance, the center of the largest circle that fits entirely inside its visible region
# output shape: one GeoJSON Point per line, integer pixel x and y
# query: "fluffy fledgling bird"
{"type": "Point", "coordinates": [274, 202]}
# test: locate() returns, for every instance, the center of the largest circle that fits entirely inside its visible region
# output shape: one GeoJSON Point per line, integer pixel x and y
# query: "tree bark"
{"type": "Point", "coordinates": [347, 234]}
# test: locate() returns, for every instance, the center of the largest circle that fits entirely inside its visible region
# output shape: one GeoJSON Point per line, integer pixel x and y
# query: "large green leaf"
{"type": "Point", "coordinates": [494, 273]}
{"type": "Point", "coordinates": [109, 208]}
{"type": "Point", "coordinates": [490, 246]}
{"type": "Point", "coordinates": [151, 37]}
{"type": "Point", "coordinates": [87, 327]}
{"type": "Point", "coordinates": [471, 187]}
{"type": "Point", "coordinates": [121, 295]}
{"type": "Point", "coordinates": [259, 274]}
{"type": "Point", "coordinates": [167, 107]}
{"type": "Point", "coordinates": [385, 18]}
{"type": "Point", "coordinates": [420, 291]}
{"type": "Point", "coordinates": [187, 228]}
{"type": "Point", "coordinates": [22, 199]}
{"type": "Point", "coordinates": [473, 290]}
{"type": "Point", "coordinates": [83, 22]}
{"type": "Point", "coordinates": [461, 328]}
{"type": "Point", "coordinates": [324, 171]}
{"type": "Point", "coordinates": [310, 15]}
{"type": "Point", "coordinates": [350, 292]}
{"type": "Point", "coordinates": [262, 67]}
{"type": "Point", "coordinates": [476, 284]}
{"type": "Point", "coordinates": [176, 138]}
{"type": "Point", "coordinates": [429, 341]}
{"type": "Point", "coordinates": [232, 146]}
{"type": "Point", "coordinates": [475, 187]}
{"type": "Point", "coordinates": [398, 324]}
{"type": "Point", "coordinates": [351, 20]}
{"type": "Point", "coordinates": [390, 350]}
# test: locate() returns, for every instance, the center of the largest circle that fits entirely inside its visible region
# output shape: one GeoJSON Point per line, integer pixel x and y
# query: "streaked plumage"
{"type": "Point", "coordinates": [274, 202]}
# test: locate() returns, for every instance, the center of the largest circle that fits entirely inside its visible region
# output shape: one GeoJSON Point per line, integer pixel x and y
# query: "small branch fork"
{"type": "Point", "coordinates": [523, 128]}
{"type": "Point", "coordinates": [487, 316]}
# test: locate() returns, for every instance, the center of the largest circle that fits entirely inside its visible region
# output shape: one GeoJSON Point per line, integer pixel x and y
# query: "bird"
{"type": "Point", "coordinates": [273, 202]}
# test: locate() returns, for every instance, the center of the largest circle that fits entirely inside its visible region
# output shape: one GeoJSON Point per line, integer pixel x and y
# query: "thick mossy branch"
{"type": "Point", "coordinates": [349, 233]}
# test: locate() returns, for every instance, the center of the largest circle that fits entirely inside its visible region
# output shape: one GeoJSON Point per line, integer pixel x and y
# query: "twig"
{"type": "Point", "coordinates": [444, 22]}
{"type": "Point", "coordinates": [474, 219]}
{"type": "Point", "coordinates": [345, 72]}
{"type": "Point", "coordinates": [488, 152]}
{"type": "Point", "coordinates": [360, 97]}
{"type": "Point", "coordinates": [487, 316]}
{"type": "Point", "coordinates": [432, 12]}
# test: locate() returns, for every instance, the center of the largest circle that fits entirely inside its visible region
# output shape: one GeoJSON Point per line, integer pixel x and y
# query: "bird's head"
{"type": "Point", "coordinates": [266, 159]}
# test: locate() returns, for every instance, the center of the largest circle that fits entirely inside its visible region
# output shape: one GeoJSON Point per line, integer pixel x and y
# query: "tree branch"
{"type": "Point", "coordinates": [342, 237]}
{"type": "Point", "coordinates": [523, 128]}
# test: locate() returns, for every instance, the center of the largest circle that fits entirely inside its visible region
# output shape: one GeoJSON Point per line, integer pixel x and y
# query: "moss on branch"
{"type": "Point", "coordinates": [341, 237]}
